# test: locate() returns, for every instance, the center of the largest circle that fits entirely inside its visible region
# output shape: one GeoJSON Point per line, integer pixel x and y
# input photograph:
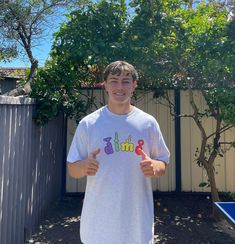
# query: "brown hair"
{"type": "Point", "coordinates": [117, 67]}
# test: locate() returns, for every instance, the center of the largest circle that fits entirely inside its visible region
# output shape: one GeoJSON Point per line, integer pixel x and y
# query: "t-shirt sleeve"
{"type": "Point", "coordinates": [159, 150]}
{"type": "Point", "coordinates": [78, 149]}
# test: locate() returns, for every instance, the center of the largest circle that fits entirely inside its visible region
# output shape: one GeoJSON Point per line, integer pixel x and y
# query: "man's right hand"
{"type": "Point", "coordinates": [90, 165]}
{"type": "Point", "coordinates": [86, 167]}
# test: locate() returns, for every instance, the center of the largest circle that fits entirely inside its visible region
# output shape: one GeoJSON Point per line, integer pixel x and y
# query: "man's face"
{"type": "Point", "coordinates": [120, 87]}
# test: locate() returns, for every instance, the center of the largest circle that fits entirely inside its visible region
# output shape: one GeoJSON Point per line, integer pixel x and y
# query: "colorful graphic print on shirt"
{"type": "Point", "coordinates": [125, 146]}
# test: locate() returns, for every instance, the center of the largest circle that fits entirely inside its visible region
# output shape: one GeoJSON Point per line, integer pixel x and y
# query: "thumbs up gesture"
{"type": "Point", "coordinates": [151, 167]}
{"type": "Point", "coordinates": [94, 153]}
{"type": "Point", "coordinates": [85, 167]}
{"type": "Point", "coordinates": [91, 165]}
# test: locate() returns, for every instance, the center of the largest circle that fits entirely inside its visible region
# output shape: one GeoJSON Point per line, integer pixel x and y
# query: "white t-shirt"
{"type": "Point", "coordinates": [118, 204]}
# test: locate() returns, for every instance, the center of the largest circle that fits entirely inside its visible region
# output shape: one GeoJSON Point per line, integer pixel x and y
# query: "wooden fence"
{"type": "Point", "coordinates": [31, 159]}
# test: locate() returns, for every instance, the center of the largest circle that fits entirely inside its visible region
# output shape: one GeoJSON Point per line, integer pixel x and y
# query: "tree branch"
{"type": "Point", "coordinates": [195, 114]}
{"type": "Point", "coordinates": [215, 143]}
{"type": "Point", "coordinates": [201, 157]}
{"type": "Point", "coordinates": [223, 129]}
{"type": "Point", "coordinates": [214, 113]}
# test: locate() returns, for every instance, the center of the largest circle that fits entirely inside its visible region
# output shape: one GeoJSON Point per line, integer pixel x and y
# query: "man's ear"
{"type": "Point", "coordinates": [104, 85]}
{"type": "Point", "coordinates": [135, 83]}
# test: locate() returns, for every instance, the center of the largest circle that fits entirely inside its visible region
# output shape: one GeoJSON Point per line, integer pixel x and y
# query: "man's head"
{"type": "Point", "coordinates": [120, 81]}
{"type": "Point", "coordinates": [119, 67]}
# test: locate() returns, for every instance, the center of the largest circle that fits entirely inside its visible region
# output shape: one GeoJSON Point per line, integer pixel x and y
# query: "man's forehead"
{"type": "Point", "coordinates": [123, 74]}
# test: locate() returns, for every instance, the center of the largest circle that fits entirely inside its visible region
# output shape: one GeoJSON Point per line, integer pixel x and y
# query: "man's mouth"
{"type": "Point", "coordinates": [119, 94]}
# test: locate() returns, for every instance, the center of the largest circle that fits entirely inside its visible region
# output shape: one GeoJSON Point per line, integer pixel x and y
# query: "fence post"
{"type": "Point", "coordinates": [177, 142]}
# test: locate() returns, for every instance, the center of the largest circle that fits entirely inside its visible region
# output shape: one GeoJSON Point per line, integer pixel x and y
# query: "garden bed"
{"type": "Point", "coordinates": [178, 219]}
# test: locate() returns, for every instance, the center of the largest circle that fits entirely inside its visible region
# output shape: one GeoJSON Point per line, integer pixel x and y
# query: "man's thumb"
{"type": "Point", "coordinates": [94, 153]}
{"type": "Point", "coordinates": [143, 154]}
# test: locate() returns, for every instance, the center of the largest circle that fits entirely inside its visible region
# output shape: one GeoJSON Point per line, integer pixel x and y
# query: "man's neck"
{"type": "Point", "coordinates": [120, 108]}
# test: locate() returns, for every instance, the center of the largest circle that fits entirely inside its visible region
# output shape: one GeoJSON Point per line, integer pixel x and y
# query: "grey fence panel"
{"type": "Point", "coordinates": [7, 84]}
{"type": "Point", "coordinates": [31, 159]}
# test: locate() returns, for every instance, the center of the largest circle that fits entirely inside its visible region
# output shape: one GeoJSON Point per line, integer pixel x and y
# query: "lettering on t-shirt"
{"type": "Point", "coordinates": [124, 146]}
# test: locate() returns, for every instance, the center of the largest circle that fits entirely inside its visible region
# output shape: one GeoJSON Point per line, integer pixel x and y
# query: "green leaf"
{"type": "Point", "coordinates": [203, 184]}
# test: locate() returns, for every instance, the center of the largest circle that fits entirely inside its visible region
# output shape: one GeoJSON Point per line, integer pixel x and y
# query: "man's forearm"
{"type": "Point", "coordinates": [161, 167]}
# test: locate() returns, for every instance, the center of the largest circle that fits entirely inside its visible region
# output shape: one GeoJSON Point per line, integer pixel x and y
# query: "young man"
{"type": "Point", "coordinates": [119, 148]}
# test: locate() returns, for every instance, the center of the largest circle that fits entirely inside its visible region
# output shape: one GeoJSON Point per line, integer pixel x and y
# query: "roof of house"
{"type": "Point", "coordinates": [13, 72]}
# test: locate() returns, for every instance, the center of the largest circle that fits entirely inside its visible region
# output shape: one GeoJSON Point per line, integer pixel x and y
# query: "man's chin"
{"type": "Point", "coordinates": [121, 101]}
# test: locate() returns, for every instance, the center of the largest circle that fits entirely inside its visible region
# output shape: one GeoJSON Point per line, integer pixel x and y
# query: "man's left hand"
{"type": "Point", "coordinates": [151, 167]}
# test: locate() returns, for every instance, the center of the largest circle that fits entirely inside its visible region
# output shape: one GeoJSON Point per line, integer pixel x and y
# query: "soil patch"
{"type": "Point", "coordinates": [178, 219]}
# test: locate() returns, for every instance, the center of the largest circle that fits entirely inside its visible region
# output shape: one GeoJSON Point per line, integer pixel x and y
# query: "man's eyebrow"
{"type": "Point", "coordinates": [116, 78]}
{"type": "Point", "coordinates": [113, 78]}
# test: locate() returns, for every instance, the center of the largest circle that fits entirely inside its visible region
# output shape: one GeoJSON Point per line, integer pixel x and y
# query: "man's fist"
{"type": "Point", "coordinates": [151, 167]}
{"type": "Point", "coordinates": [91, 165]}
{"type": "Point", "coordinates": [85, 167]}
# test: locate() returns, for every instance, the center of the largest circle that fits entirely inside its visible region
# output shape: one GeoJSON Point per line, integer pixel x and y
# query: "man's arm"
{"type": "Point", "coordinates": [86, 167]}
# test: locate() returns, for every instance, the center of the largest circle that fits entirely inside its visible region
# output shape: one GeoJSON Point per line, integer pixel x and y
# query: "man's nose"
{"type": "Point", "coordinates": [119, 85]}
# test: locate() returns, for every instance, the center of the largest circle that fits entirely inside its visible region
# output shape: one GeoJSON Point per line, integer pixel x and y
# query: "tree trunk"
{"type": "Point", "coordinates": [214, 190]}
{"type": "Point", "coordinates": [190, 4]}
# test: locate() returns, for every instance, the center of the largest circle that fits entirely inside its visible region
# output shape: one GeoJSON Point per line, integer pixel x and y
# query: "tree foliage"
{"type": "Point", "coordinates": [7, 52]}
{"type": "Point", "coordinates": [89, 40]}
